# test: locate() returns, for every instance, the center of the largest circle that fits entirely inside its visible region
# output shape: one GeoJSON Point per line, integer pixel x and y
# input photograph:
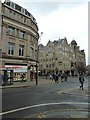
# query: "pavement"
{"type": "Point", "coordinates": [75, 91]}
{"type": "Point", "coordinates": [28, 83]}
{"type": "Point", "coordinates": [41, 81]}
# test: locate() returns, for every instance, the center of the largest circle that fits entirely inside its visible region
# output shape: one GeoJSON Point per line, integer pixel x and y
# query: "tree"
{"type": "Point", "coordinates": [81, 67]}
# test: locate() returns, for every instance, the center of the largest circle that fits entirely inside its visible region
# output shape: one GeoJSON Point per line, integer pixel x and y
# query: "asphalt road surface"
{"type": "Point", "coordinates": [45, 101]}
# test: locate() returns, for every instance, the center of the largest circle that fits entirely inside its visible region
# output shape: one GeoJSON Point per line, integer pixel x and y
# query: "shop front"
{"type": "Point", "coordinates": [18, 70]}
{"type": "Point", "coordinates": [7, 76]}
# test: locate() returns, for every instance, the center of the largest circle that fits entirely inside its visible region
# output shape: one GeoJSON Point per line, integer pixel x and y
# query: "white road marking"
{"type": "Point", "coordinates": [45, 104]}
{"type": "Point", "coordinates": [39, 116]}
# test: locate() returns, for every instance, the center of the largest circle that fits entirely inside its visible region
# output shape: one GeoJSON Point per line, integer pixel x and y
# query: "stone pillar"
{"type": "Point", "coordinates": [28, 72]}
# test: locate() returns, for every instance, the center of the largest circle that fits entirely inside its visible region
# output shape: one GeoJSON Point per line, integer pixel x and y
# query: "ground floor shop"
{"type": "Point", "coordinates": [18, 67]}
{"type": "Point", "coordinates": [18, 70]}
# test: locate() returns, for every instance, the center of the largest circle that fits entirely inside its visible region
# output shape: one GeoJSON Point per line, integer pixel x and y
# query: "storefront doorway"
{"type": "Point", "coordinates": [7, 77]}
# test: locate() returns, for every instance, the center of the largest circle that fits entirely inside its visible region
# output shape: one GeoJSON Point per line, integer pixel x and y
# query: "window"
{"type": "Point", "coordinates": [11, 30]}
{"type": "Point", "coordinates": [24, 20]}
{"type": "Point", "coordinates": [12, 5]}
{"type": "Point", "coordinates": [17, 33]}
{"type": "Point", "coordinates": [22, 10]}
{"type": "Point", "coordinates": [8, 3]}
{"type": "Point", "coordinates": [35, 55]}
{"type": "Point", "coordinates": [14, 15]}
{"type": "Point", "coordinates": [52, 65]}
{"type": "Point", "coordinates": [22, 34]}
{"type": "Point", "coordinates": [10, 12]}
{"type": "Point", "coordinates": [56, 58]}
{"type": "Point", "coordinates": [26, 12]}
{"type": "Point", "coordinates": [46, 65]}
{"type": "Point", "coordinates": [17, 7]}
{"type": "Point", "coordinates": [65, 48]}
{"type": "Point", "coordinates": [31, 52]}
{"type": "Point", "coordinates": [11, 47]}
{"type": "Point", "coordinates": [21, 50]}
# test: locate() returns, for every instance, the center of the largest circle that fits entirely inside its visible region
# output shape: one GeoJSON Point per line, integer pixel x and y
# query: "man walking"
{"type": "Point", "coordinates": [81, 79]}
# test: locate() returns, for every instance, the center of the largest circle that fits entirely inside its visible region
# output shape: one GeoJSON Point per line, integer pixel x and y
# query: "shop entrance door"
{"type": "Point", "coordinates": [7, 77]}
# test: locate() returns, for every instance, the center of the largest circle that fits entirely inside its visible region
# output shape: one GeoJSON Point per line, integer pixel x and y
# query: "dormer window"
{"type": "Point", "coordinates": [12, 5]}
{"type": "Point", "coordinates": [23, 10]}
{"type": "Point", "coordinates": [17, 7]}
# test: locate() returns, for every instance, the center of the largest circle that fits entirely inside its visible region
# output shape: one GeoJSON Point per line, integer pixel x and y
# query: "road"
{"type": "Point", "coordinates": [46, 101]}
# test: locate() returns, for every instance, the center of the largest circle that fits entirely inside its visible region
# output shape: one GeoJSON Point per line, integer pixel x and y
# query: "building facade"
{"type": "Point", "coordinates": [19, 39]}
{"type": "Point", "coordinates": [60, 56]}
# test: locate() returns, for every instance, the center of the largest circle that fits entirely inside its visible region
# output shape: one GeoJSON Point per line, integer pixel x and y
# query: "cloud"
{"type": "Point", "coordinates": [60, 18]}
{"type": "Point", "coordinates": [71, 23]}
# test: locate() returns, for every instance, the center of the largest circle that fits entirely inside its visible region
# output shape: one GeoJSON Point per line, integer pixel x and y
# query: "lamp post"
{"type": "Point", "coordinates": [37, 58]}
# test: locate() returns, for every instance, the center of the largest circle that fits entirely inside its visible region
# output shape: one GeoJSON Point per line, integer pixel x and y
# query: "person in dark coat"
{"type": "Point", "coordinates": [46, 75]}
{"type": "Point", "coordinates": [81, 79]}
{"type": "Point", "coordinates": [53, 77]}
{"type": "Point", "coordinates": [22, 78]}
{"type": "Point", "coordinates": [65, 76]}
{"type": "Point", "coordinates": [56, 78]}
{"type": "Point", "coordinates": [5, 79]}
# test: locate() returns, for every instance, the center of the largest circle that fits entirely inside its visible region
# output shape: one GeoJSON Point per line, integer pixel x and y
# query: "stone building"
{"type": "Point", "coordinates": [79, 56]}
{"type": "Point", "coordinates": [60, 56]}
{"type": "Point", "coordinates": [18, 39]}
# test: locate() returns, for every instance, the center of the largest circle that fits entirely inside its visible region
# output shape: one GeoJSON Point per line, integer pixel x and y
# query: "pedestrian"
{"type": "Point", "coordinates": [53, 77]}
{"type": "Point", "coordinates": [81, 80]}
{"type": "Point", "coordinates": [56, 78]}
{"type": "Point", "coordinates": [22, 78]}
{"type": "Point", "coordinates": [65, 76]}
{"type": "Point", "coordinates": [5, 79]}
{"type": "Point", "coordinates": [46, 75]}
{"type": "Point", "coordinates": [62, 77]}
{"type": "Point", "coordinates": [50, 76]}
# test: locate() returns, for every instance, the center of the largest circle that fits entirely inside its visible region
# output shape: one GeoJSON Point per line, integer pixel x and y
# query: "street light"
{"type": "Point", "coordinates": [37, 58]}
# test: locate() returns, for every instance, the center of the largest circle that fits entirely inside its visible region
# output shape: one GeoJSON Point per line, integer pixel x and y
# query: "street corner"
{"type": "Point", "coordinates": [75, 91]}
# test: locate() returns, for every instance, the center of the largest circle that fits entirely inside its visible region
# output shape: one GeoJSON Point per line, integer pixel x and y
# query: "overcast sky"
{"type": "Point", "coordinates": [59, 19]}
